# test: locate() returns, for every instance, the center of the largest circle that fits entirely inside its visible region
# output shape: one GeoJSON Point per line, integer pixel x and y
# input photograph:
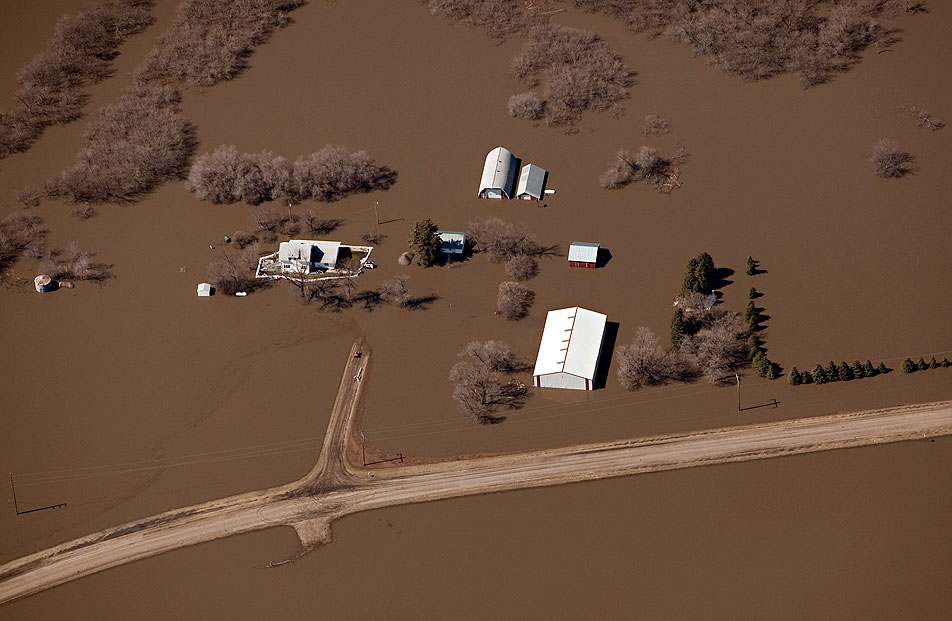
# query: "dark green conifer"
{"type": "Point", "coordinates": [794, 377]}
{"type": "Point", "coordinates": [751, 266]}
{"type": "Point", "coordinates": [704, 273]}
{"type": "Point", "coordinates": [751, 314]}
{"type": "Point", "coordinates": [833, 372]}
{"type": "Point", "coordinates": [883, 368]}
{"type": "Point", "coordinates": [753, 346]}
{"type": "Point", "coordinates": [869, 369]}
{"type": "Point", "coordinates": [677, 327]}
{"type": "Point", "coordinates": [933, 364]}
{"type": "Point", "coordinates": [819, 375]}
{"type": "Point", "coordinates": [753, 293]}
{"type": "Point", "coordinates": [859, 372]}
{"type": "Point", "coordinates": [772, 373]}
{"type": "Point", "coordinates": [945, 364]}
{"type": "Point", "coordinates": [760, 364]}
{"type": "Point", "coordinates": [922, 364]}
{"type": "Point", "coordinates": [908, 366]}
{"type": "Point", "coordinates": [806, 377]}
{"type": "Point", "coordinates": [846, 373]}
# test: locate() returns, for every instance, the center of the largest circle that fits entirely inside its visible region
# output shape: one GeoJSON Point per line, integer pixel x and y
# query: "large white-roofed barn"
{"type": "Point", "coordinates": [570, 349]}
{"type": "Point", "coordinates": [499, 173]}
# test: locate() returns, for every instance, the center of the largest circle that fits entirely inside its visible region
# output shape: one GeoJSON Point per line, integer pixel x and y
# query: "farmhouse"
{"type": "Point", "coordinates": [307, 256]}
{"type": "Point", "coordinates": [499, 172]}
{"type": "Point", "coordinates": [531, 183]}
{"type": "Point", "coordinates": [583, 254]}
{"type": "Point", "coordinates": [451, 242]}
{"type": "Point", "coordinates": [570, 349]}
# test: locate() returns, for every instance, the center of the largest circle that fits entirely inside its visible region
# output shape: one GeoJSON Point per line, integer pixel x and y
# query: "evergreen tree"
{"type": "Point", "coordinates": [754, 294]}
{"type": "Point", "coordinates": [908, 366]}
{"type": "Point", "coordinates": [690, 278]}
{"type": "Point", "coordinates": [859, 372]}
{"type": "Point", "coordinates": [883, 368]}
{"type": "Point", "coordinates": [425, 243]}
{"type": "Point", "coordinates": [869, 369]}
{"type": "Point", "coordinates": [677, 327]}
{"type": "Point", "coordinates": [945, 364]}
{"type": "Point", "coordinates": [794, 377]}
{"type": "Point", "coordinates": [819, 375]}
{"type": "Point", "coordinates": [922, 364]}
{"type": "Point", "coordinates": [761, 364]}
{"type": "Point", "coordinates": [751, 266]}
{"type": "Point", "coordinates": [806, 377]}
{"type": "Point", "coordinates": [772, 373]}
{"type": "Point", "coordinates": [751, 313]}
{"type": "Point", "coordinates": [846, 373]}
{"type": "Point", "coordinates": [833, 372]}
{"type": "Point", "coordinates": [753, 346]}
{"type": "Point", "coordinates": [933, 364]}
{"type": "Point", "coordinates": [704, 273]}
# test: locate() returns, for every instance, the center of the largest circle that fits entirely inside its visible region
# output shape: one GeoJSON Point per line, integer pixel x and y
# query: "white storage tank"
{"type": "Point", "coordinates": [205, 290]}
{"type": "Point", "coordinates": [44, 283]}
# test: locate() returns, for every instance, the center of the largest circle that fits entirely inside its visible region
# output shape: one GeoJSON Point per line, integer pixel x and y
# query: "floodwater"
{"type": "Point", "coordinates": [136, 397]}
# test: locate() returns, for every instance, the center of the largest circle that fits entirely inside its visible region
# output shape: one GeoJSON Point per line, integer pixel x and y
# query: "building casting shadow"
{"type": "Point", "coordinates": [605, 360]}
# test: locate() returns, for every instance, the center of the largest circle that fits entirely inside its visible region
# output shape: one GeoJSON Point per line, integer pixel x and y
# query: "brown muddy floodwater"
{"type": "Point", "coordinates": [136, 397]}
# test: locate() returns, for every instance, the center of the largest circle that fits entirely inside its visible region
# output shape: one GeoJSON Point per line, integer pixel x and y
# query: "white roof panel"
{"type": "Point", "coordinates": [531, 181]}
{"type": "Point", "coordinates": [586, 252]}
{"type": "Point", "coordinates": [313, 251]}
{"type": "Point", "coordinates": [498, 172]}
{"type": "Point", "coordinates": [571, 342]}
{"type": "Point", "coordinates": [451, 242]}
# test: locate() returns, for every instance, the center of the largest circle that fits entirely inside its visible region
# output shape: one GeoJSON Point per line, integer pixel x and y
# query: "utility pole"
{"type": "Point", "coordinates": [737, 377]}
{"type": "Point", "coordinates": [289, 211]}
{"type": "Point", "coordinates": [363, 447]}
{"type": "Point", "coordinates": [376, 216]}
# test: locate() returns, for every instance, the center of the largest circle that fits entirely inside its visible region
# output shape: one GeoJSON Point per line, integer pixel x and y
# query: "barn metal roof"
{"type": "Point", "coordinates": [586, 252]}
{"type": "Point", "coordinates": [323, 252]}
{"type": "Point", "coordinates": [499, 172]}
{"type": "Point", "coordinates": [571, 342]}
{"type": "Point", "coordinates": [531, 181]}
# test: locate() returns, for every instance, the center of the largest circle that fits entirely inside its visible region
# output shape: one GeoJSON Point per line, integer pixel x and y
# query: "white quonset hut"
{"type": "Point", "coordinates": [499, 172]}
{"type": "Point", "coordinates": [583, 254]}
{"type": "Point", "coordinates": [531, 183]}
{"type": "Point", "coordinates": [570, 349]}
{"type": "Point", "coordinates": [307, 255]}
{"type": "Point", "coordinates": [451, 242]}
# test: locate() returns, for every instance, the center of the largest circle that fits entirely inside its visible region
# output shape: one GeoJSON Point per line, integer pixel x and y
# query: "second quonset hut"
{"type": "Point", "coordinates": [499, 173]}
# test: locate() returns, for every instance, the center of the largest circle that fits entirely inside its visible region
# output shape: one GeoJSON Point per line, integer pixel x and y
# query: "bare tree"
{"type": "Point", "coordinates": [889, 160]}
{"type": "Point", "coordinates": [522, 267]}
{"type": "Point", "coordinates": [923, 118]}
{"type": "Point", "coordinates": [500, 240]}
{"type": "Point", "coordinates": [514, 300]}
{"type": "Point", "coordinates": [21, 233]}
{"type": "Point", "coordinates": [234, 270]}
{"type": "Point", "coordinates": [479, 389]}
{"type": "Point", "coordinates": [396, 291]}
{"type": "Point", "coordinates": [655, 126]}
{"type": "Point", "coordinates": [495, 355]}
{"type": "Point", "coordinates": [74, 264]}
{"type": "Point", "coordinates": [719, 347]}
{"type": "Point", "coordinates": [645, 363]}
{"type": "Point", "coordinates": [526, 106]}
{"type": "Point", "coordinates": [269, 223]}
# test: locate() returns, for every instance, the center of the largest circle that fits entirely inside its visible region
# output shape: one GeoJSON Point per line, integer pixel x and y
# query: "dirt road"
{"type": "Point", "coordinates": [334, 488]}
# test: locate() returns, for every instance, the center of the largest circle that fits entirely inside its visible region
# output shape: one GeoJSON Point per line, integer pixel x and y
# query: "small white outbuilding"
{"type": "Point", "coordinates": [499, 173]}
{"type": "Point", "coordinates": [583, 254]}
{"type": "Point", "coordinates": [205, 290]}
{"type": "Point", "coordinates": [531, 183]}
{"type": "Point", "coordinates": [570, 349]}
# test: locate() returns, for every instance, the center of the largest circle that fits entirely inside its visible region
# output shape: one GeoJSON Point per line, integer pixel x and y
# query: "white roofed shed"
{"type": "Point", "coordinates": [451, 242]}
{"type": "Point", "coordinates": [531, 183]}
{"type": "Point", "coordinates": [570, 349]}
{"type": "Point", "coordinates": [583, 254]}
{"type": "Point", "coordinates": [499, 173]}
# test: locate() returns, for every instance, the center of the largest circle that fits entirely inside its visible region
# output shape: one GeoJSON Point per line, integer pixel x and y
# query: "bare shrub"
{"type": "Point", "coordinates": [645, 363]}
{"type": "Point", "coordinates": [234, 270]}
{"type": "Point", "coordinates": [21, 233]}
{"type": "Point", "coordinates": [74, 264]}
{"type": "Point", "coordinates": [501, 240]}
{"type": "Point", "coordinates": [479, 389]}
{"type": "Point", "coordinates": [243, 239]}
{"type": "Point", "coordinates": [645, 165]}
{"type": "Point", "coordinates": [526, 106]}
{"type": "Point", "coordinates": [210, 41]}
{"type": "Point", "coordinates": [132, 147]}
{"type": "Point", "coordinates": [270, 223]}
{"type": "Point", "coordinates": [499, 18]}
{"type": "Point", "coordinates": [496, 355]}
{"type": "Point", "coordinates": [332, 173]}
{"type": "Point", "coordinates": [514, 300]}
{"type": "Point", "coordinates": [923, 118]}
{"type": "Point", "coordinates": [29, 197]}
{"type": "Point", "coordinates": [655, 126]}
{"type": "Point", "coordinates": [758, 39]}
{"type": "Point", "coordinates": [522, 267]}
{"type": "Point", "coordinates": [719, 347]}
{"type": "Point", "coordinates": [79, 53]}
{"type": "Point", "coordinates": [396, 291]}
{"type": "Point", "coordinates": [84, 211]}
{"type": "Point", "coordinates": [889, 160]}
{"type": "Point", "coordinates": [372, 237]}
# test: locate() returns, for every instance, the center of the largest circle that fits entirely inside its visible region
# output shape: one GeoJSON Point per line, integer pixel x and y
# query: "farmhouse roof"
{"type": "Point", "coordinates": [571, 342]}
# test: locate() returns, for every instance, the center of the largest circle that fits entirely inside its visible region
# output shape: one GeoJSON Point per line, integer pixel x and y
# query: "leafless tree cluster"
{"type": "Point", "coordinates": [522, 267]}
{"type": "Point", "coordinates": [758, 39]}
{"type": "Point", "coordinates": [79, 53]}
{"type": "Point", "coordinates": [925, 119]}
{"type": "Point", "coordinates": [719, 346]}
{"type": "Point", "coordinates": [74, 264]}
{"type": "Point", "coordinates": [130, 148]}
{"type": "Point", "coordinates": [21, 233]}
{"type": "Point", "coordinates": [499, 18]}
{"type": "Point", "coordinates": [500, 240]}
{"type": "Point", "coordinates": [226, 176]}
{"type": "Point", "coordinates": [526, 106]}
{"type": "Point", "coordinates": [210, 41]}
{"type": "Point", "coordinates": [396, 291]}
{"type": "Point", "coordinates": [655, 126]}
{"type": "Point", "coordinates": [270, 223]}
{"type": "Point", "coordinates": [479, 388]}
{"type": "Point", "coordinates": [889, 160]}
{"type": "Point", "coordinates": [647, 165]}
{"type": "Point", "coordinates": [580, 71]}
{"type": "Point", "coordinates": [513, 300]}
{"type": "Point", "coordinates": [234, 270]}
{"type": "Point", "coordinates": [645, 362]}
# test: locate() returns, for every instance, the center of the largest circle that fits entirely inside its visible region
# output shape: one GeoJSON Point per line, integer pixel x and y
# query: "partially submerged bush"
{"type": "Point", "coordinates": [645, 363]}
{"type": "Point", "coordinates": [889, 160]}
{"type": "Point", "coordinates": [655, 126]}
{"type": "Point", "coordinates": [522, 267]}
{"type": "Point", "coordinates": [646, 165]}
{"type": "Point", "coordinates": [501, 240]}
{"type": "Point", "coordinates": [396, 291]}
{"type": "Point", "coordinates": [79, 53]}
{"type": "Point", "coordinates": [234, 270]}
{"type": "Point", "coordinates": [21, 233]}
{"type": "Point", "coordinates": [923, 118]}
{"type": "Point", "coordinates": [526, 106]}
{"type": "Point", "coordinates": [74, 264]}
{"type": "Point", "coordinates": [226, 176]}
{"type": "Point", "coordinates": [478, 389]}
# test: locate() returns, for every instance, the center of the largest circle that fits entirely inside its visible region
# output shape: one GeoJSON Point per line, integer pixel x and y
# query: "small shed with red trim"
{"type": "Point", "coordinates": [583, 254]}
{"type": "Point", "coordinates": [570, 349]}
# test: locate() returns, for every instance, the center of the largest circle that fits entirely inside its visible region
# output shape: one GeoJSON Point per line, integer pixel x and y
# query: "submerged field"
{"type": "Point", "coordinates": [140, 369]}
